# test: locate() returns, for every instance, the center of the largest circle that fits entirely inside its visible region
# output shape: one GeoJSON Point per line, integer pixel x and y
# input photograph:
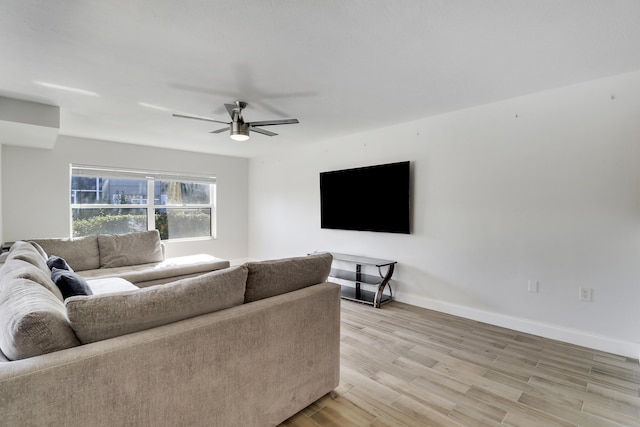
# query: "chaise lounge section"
{"type": "Point", "coordinates": [136, 257]}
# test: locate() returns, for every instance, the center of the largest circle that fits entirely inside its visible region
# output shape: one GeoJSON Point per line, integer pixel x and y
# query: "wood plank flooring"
{"type": "Point", "coordinates": [407, 366]}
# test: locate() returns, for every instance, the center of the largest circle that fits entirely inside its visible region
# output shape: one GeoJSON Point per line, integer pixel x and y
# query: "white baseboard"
{"type": "Point", "coordinates": [573, 336]}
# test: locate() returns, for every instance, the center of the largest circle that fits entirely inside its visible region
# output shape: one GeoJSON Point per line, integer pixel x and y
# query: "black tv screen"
{"type": "Point", "coordinates": [373, 198]}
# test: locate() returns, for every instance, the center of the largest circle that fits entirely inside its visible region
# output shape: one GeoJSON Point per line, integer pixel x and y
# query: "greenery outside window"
{"type": "Point", "coordinates": [115, 201]}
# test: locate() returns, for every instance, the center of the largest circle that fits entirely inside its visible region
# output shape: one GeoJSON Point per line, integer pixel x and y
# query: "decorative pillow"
{"type": "Point", "coordinates": [58, 262]}
{"type": "Point", "coordinates": [81, 253]}
{"type": "Point", "coordinates": [119, 250]}
{"type": "Point", "coordinates": [70, 283]}
{"type": "Point", "coordinates": [98, 317]}
{"type": "Point", "coordinates": [275, 277]}
{"type": "Point", "coordinates": [32, 321]}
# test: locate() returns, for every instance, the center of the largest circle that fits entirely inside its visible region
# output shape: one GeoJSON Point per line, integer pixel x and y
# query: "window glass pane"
{"type": "Point", "coordinates": [108, 221]}
{"type": "Point", "coordinates": [114, 201]}
{"type": "Point", "coordinates": [179, 193]}
{"type": "Point", "coordinates": [112, 191]}
{"type": "Point", "coordinates": [181, 223]}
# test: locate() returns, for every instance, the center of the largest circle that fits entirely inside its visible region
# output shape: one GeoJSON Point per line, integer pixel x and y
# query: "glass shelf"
{"type": "Point", "coordinates": [353, 276]}
{"type": "Point", "coordinates": [360, 295]}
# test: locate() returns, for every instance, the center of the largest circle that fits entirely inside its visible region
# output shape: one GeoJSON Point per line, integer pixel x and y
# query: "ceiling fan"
{"type": "Point", "coordinates": [238, 128]}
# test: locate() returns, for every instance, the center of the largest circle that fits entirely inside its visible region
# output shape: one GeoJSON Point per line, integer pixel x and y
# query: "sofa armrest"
{"type": "Point", "coordinates": [250, 365]}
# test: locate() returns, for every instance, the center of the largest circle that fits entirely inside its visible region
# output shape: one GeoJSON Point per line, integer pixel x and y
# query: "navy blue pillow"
{"type": "Point", "coordinates": [70, 283]}
{"type": "Point", "coordinates": [58, 262]}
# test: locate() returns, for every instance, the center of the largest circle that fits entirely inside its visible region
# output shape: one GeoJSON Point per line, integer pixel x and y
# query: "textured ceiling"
{"type": "Point", "coordinates": [339, 66]}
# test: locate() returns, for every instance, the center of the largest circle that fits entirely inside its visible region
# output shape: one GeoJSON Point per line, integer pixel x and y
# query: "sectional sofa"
{"type": "Point", "coordinates": [136, 257]}
{"type": "Point", "coordinates": [248, 345]}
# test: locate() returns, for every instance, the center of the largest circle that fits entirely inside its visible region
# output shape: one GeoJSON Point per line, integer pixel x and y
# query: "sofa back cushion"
{"type": "Point", "coordinates": [275, 277]}
{"type": "Point", "coordinates": [119, 250]}
{"type": "Point", "coordinates": [98, 317]}
{"type": "Point", "coordinates": [81, 253]}
{"type": "Point", "coordinates": [19, 269]}
{"type": "Point", "coordinates": [27, 252]}
{"type": "Point", "coordinates": [25, 261]}
{"type": "Point", "coordinates": [33, 320]}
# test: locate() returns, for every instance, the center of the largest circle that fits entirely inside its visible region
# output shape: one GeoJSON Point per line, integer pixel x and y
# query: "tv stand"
{"type": "Point", "coordinates": [358, 277]}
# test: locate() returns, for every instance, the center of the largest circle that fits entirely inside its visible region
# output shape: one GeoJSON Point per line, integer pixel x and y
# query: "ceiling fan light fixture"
{"type": "Point", "coordinates": [239, 131]}
{"type": "Point", "coordinates": [239, 137]}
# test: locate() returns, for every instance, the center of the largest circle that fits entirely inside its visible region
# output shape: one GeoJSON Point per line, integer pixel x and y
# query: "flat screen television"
{"type": "Point", "coordinates": [372, 198]}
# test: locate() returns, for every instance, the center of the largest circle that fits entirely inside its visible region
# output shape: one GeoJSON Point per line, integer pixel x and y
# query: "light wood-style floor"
{"type": "Point", "coordinates": [407, 366]}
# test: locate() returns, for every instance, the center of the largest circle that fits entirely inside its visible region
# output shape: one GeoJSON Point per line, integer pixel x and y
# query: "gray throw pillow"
{"type": "Point", "coordinates": [58, 262]}
{"type": "Point", "coordinates": [70, 283]}
{"type": "Point", "coordinates": [275, 277]}
{"type": "Point", "coordinates": [98, 317]}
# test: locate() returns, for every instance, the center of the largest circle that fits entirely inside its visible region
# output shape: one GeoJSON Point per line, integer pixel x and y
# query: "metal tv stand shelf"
{"type": "Point", "coordinates": [356, 276]}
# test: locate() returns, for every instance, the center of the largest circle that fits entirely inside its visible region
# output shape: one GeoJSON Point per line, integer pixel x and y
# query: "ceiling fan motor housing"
{"type": "Point", "coordinates": [239, 131]}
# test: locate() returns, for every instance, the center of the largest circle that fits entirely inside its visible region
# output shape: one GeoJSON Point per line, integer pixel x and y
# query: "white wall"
{"type": "Point", "coordinates": [544, 187]}
{"type": "Point", "coordinates": [36, 189]}
{"type": "Point", "coordinates": [1, 228]}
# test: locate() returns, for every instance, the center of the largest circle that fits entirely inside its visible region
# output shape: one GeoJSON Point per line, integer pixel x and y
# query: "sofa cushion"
{"type": "Point", "coordinates": [117, 250]}
{"type": "Point", "coordinates": [18, 269]}
{"type": "Point", "coordinates": [269, 278]}
{"type": "Point", "coordinates": [169, 270]}
{"type": "Point", "coordinates": [109, 285]}
{"type": "Point", "coordinates": [39, 248]}
{"type": "Point", "coordinates": [98, 317]}
{"type": "Point", "coordinates": [25, 251]}
{"type": "Point", "coordinates": [81, 253]}
{"type": "Point", "coordinates": [32, 321]}
{"type": "Point", "coordinates": [58, 262]}
{"type": "Point", "coordinates": [70, 283]}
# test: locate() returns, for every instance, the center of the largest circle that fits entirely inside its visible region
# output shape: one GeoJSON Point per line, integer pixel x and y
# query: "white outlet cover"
{"type": "Point", "coordinates": [585, 294]}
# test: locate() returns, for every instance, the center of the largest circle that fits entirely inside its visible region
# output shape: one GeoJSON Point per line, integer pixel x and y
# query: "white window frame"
{"type": "Point", "coordinates": [150, 206]}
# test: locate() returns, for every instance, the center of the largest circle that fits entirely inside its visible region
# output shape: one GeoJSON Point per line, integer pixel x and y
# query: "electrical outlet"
{"type": "Point", "coordinates": [532, 286]}
{"type": "Point", "coordinates": [585, 294]}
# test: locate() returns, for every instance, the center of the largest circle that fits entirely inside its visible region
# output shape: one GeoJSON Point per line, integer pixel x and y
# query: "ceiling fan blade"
{"type": "Point", "coordinates": [262, 131]}
{"type": "Point", "coordinates": [274, 122]}
{"type": "Point", "coordinates": [220, 130]}
{"type": "Point", "coordinates": [182, 116]}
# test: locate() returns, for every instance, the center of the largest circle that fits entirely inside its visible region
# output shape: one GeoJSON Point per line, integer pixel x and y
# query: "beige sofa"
{"type": "Point", "coordinates": [248, 345]}
{"type": "Point", "coordinates": [136, 257]}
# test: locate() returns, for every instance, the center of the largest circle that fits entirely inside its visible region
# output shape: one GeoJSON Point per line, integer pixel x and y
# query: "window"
{"type": "Point", "coordinates": [115, 201]}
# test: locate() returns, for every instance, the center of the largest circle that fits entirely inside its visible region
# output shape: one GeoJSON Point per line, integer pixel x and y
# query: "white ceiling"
{"type": "Point", "coordinates": [339, 66]}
